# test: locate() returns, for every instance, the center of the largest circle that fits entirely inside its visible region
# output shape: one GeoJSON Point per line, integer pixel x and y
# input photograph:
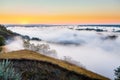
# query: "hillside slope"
{"type": "Point", "coordinates": [26, 61]}
{"type": "Point", "coordinates": [6, 33]}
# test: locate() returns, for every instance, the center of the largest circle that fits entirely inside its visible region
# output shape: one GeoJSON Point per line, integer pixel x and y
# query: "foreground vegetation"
{"type": "Point", "coordinates": [32, 64]}
{"type": "Point", "coordinates": [7, 71]}
{"type": "Point", "coordinates": [40, 70]}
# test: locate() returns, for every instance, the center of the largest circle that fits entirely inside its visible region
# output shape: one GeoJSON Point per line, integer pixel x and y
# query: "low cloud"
{"type": "Point", "coordinates": [15, 44]}
{"type": "Point", "coordinates": [95, 50]}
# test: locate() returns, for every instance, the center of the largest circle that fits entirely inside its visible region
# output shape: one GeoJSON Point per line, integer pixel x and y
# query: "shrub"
{"type": "Point", "coordinates": [0, 48]}
{"type": "Point", "coordinates": [2, 27]}
{"type": "Point", "coordinates": [40, 48]}
{"type": "Point", "coordinates": [2, 41]}
{"type": "Point", "coordinates": [72, 61]}
{"type": "Point", "coordinates": [7, 71]}
{"type": "Point", "coordinates": [117, 73]}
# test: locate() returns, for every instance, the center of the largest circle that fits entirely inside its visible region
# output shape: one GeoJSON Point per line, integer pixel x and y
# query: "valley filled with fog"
{"type": "Point", "coordinates": [96, 48]}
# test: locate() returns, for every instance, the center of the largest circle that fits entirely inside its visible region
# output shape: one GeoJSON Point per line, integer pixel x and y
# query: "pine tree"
{"type": "Point", "coordinates": [117, 73]}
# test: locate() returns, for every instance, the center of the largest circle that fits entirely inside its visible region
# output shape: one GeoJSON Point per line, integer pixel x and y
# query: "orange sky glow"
{"type": "Point", "coordinates": [58, 19]}
{"type": "Point", "coordinates": [59, 12]}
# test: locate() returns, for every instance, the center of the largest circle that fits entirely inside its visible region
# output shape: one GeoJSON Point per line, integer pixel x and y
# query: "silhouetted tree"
{"type": "Point", "coordinates": [117, 73]}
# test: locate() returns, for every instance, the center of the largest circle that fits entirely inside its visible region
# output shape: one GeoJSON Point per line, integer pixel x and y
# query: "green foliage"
{"type": "Point", "coordinates": [0, 48]}
{"type": "Point", "coordinates": [7, 71]}
{"type": "Point", "coordinates": [117, 73]}
{"type": "Point", "coordinates": [2, 41]}
{"type": "Point", "coordinates": [5, 33]}
{"type": "Point", "coordinates": [2, 27]}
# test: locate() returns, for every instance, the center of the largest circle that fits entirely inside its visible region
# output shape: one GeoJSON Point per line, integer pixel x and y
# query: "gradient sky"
{"type": "Point", "coordinates": [60, 11]}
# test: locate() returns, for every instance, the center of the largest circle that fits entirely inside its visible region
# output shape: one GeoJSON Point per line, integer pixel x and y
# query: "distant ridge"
{"type": "Point", "coordinates": [49, 25]}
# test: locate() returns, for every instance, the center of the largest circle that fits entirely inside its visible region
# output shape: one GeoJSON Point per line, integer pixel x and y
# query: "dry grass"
{"type": "Point", "coordinates": [30, 55]}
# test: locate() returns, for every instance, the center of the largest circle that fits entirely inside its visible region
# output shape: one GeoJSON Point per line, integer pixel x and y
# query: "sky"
{"type": "Point", "coordinates": [60, 11]}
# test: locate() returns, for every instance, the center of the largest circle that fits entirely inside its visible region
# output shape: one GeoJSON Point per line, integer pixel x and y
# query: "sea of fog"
{"type": "Point", "coordinates": [95, 50]}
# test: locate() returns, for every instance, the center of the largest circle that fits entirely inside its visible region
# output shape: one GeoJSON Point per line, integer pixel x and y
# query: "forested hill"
{"type": "Point", "coordinates": [6, 33]}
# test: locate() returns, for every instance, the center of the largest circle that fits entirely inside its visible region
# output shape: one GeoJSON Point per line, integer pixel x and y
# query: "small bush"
{"type": "Point", "coordinates": [72, 61]}
{"type": "Point", "coordinates": [40, 48]}
{"type": "Point", "coordinates": [2, 41]}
